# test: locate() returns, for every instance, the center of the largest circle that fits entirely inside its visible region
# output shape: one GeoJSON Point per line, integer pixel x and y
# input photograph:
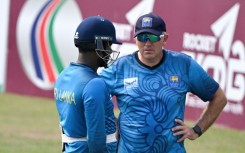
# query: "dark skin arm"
{"type": "Point", "coordinates": [117, 131]}
{"type": "Point", "coordinates": [208, 117]}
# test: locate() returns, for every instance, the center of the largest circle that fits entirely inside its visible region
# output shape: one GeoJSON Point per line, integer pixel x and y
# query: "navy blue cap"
{"type": "Point", "coordinates": [95, 27]}
{"type": "Point", "coordinates": [150, 23]}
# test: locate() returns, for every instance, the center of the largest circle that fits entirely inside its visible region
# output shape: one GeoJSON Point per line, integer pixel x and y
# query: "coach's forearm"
{"type": "Point", "coordinates": [212, 111]}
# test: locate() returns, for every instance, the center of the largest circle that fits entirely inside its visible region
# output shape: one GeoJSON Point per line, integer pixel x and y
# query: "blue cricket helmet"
{"type": "Point", "coordinates": [95, 27]}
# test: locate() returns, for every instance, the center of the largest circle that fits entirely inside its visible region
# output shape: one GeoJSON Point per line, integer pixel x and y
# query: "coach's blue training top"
{"type": "Point", "coordinates": [150, 99]}
{"type": "Point", "coordinates": [85, 109]}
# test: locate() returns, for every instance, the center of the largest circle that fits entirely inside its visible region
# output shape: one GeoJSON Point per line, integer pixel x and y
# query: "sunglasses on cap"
{"type": "Point", "coordinates": [153, 38]}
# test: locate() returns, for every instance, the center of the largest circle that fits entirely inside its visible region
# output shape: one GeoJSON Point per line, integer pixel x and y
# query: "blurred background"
{"type": "Point", "coordinates": [36, 43]}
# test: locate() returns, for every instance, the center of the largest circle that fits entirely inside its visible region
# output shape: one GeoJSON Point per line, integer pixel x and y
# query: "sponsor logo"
{"type": "Point", "coordinates": [76, 35]}
{"type": "Point", "coordinates": [45, 31]}
{"type": "Point", "coordinates": [226, 63]}
{"type": "Point", "coordinates": [130, 83]}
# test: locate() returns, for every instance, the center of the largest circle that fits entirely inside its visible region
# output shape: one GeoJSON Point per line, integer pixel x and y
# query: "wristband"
{"type": "Point", "coordinates": [197, 130]}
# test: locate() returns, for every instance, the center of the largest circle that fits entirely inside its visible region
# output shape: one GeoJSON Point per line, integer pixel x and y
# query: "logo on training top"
{"type": "Point", "coordinates": [147, 22]}
{"type": "Point", "coordinates": [174, 81]}
{"type": "Point", "coordinates": [45, 31]}
{"type": "Point", "coordinates": [130, 83]}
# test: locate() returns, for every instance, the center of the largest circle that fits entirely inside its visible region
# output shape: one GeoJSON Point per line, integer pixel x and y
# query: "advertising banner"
{"type": "Point", "coordinates": [212, 32]}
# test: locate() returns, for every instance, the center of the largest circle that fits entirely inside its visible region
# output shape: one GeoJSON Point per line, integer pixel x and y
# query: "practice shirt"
{"type": "Point", "coordinates": [150, 98]}
{"type": "Point", "coordinates": [85, 108]}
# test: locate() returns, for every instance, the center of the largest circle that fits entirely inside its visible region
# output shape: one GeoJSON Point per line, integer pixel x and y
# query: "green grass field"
{"type": "Point", "coordinates": [30, 125]}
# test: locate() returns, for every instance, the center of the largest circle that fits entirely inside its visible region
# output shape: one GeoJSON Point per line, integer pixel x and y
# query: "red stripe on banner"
{"type": "Point", "coordinates": [43, 44]}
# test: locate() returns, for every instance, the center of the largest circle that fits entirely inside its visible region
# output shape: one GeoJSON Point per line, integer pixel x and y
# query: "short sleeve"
{"type": "Point", "coordinates": [201, 83]}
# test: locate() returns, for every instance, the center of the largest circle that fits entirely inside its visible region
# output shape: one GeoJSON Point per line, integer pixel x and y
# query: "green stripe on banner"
{"type": "Point", "coordinates": [54, 52]}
